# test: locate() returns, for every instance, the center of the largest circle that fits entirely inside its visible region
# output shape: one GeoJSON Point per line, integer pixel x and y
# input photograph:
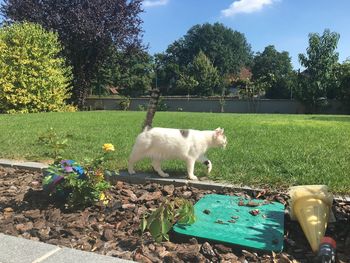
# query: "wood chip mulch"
{"type": "Point", "coordinates": [26, 211]}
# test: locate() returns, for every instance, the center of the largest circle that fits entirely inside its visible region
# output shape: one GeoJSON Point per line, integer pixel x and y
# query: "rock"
{"type": "Point", "coordinates": [169, 189]}
{"type": "Point", "coordinates": [207, 250]}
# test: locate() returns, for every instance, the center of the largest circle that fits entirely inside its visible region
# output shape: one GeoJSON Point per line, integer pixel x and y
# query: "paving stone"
{"type": "Point", "coordinates": [20, 250]}
{"type": "Point", "coordinates": [71, 255]}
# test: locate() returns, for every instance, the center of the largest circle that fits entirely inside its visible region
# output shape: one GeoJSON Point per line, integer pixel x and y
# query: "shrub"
{"type": "Point", "coordinates": [33, 77]}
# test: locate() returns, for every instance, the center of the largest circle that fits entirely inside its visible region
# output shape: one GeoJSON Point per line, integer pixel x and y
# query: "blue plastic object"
{"type": "Point", "coordinates": [228, 219]}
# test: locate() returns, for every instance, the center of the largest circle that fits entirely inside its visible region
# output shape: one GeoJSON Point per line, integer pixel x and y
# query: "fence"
{"type": "Point", "coordinates": [214, 105]}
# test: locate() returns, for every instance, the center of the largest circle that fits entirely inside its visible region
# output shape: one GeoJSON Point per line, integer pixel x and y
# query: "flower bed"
{"type": "Point", "coordinates": [26, 211]}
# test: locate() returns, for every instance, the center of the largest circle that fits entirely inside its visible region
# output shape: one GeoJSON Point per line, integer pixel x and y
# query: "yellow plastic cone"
{"type": "Point", "coordinates": [310, 205]}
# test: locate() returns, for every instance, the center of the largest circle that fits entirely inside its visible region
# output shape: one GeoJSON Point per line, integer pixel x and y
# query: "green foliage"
{"type": "Point", "coordinates": [33, 77]}
{"type": "Point", "coordinates": [227, 50]}
{"type": "Point", "coordinates": [318, 81]}
{"type": "Point", "coordinates": [343, 75]}
{"type": "Point", "coordinates": [87, 29]}
{"type": "Point", "coordinates": [205, 74]}
{"type": "Point", "coordinates": [125, 103]}
{"type": "Point", "coordinates": [273, 70]}
{"type": "Point", "coordinates": [160, 221]}
{"type": "Point", "coordinates": [131, 72]}
{"type": "Point", "coordinates": [81, 185]}
{"type": "Point", "coordinates": [55, 143]}
{"type": "Point", "coordinates": [161, 105]}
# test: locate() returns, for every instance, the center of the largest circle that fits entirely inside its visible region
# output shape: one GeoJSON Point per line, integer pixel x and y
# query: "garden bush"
{"type": "Point", "coordinates": [33, 75]}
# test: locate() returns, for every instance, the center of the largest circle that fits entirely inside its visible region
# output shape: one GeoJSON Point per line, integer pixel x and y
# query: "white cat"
{"type": "Point", "coordinates": [168, 144]}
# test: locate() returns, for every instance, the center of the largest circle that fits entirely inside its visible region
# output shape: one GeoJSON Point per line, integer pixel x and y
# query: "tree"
{"type": "Point", "coordinates": [33, 77]}
{"type": "Point", "coordinates": [131, 71]}
{"type": "Point", "coordinates": [275, 70]}
{"type": "Point", "coordinates": [227, 49]}
{"type": "Point", "coordinates": [343, 75]}
{"type": "Point", "coordinates": [87, 29]}
{"type": "Point", "coordinates": [203, 71]}
{"type": "Point", "coordinates": [318, 81]}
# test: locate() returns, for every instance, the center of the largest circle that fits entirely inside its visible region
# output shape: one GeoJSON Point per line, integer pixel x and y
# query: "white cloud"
{"type": "Point", "coordinates": [150, 3]}
{"type": "Point", "coordinates": [246, 6]}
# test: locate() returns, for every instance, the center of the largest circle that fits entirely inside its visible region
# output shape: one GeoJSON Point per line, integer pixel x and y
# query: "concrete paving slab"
{"type": "Point", "coordinates": [20, 250]}
{"type": "Point", "coordinates": [71, 255]}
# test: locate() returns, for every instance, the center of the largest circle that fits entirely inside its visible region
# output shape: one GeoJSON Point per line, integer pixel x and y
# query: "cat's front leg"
{"type": "Point", "coordinates": [203, 159]}
{"type": "Point", "coordinates": [190, 169]}
{"type": "Point", "coordinates": [158, 168]}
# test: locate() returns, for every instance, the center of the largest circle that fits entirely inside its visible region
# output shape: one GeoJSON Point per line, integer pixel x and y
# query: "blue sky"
{"type": "Point", "coordinates": [282, 23]}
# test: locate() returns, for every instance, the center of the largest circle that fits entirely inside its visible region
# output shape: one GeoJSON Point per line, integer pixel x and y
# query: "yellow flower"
{"type": "Point", "coordinates": [104, 199]}
{"type": "Point", "coordinates": [108, 147]}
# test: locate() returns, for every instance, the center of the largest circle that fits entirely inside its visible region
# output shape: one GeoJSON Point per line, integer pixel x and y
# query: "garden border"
{"type": "Point", "coordinates": [142, 178]}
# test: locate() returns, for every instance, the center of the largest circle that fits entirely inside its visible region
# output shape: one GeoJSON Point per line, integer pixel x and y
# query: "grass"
{"type": "Point", "coordinates": [263, 150]}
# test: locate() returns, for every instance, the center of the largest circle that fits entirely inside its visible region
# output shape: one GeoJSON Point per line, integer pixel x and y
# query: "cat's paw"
{"type": "Point", "coordinates": [193, 177]}
{"type": "Point", "coordinates": [164, 175]}
{"type": "Point", "coordinates": [209, 167]}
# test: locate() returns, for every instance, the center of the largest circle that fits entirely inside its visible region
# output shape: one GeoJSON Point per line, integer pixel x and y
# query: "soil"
{"type": "Point", "coordinates": [26, 211]}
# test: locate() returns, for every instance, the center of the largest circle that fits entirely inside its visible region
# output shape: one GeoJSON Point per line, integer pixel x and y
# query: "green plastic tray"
{"type": "Point", "coordinates": [263, 231]}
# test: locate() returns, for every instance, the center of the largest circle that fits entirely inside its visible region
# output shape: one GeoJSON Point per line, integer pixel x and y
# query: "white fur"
{"type": "Point", "coordinates": [168, 144]}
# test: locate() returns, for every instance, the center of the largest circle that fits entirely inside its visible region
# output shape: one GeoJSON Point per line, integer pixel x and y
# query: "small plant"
{"type": "Point", "coordinates": [160, 221]}
{"type": "Point", "coordinates": [141, 107]}
{"type": "Point", "coordinates": [79, 185]}
{"type": "Point", "coordinates": [125, 103]}
{"type": "Point", "coordinates": [162, 106]}
{"type": "Point", "coordinates": [55, 143]}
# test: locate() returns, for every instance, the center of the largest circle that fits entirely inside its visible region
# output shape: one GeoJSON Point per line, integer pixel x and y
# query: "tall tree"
{"type": "Point", "coordinates": [318, 81]}
{"type": "Point", "coordinates": [87, 28]}
{"type": "Point", "coordinates": [275, 70]}
{"type": "Point", "coordinates": [227, 49]}
{"type": "Point", "coordinates": [203, 71]}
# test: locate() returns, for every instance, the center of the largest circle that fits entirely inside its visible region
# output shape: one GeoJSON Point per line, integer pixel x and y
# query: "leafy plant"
{"type": "Point", "coordinates": [79, 185]}
{"type": "Point", "coordinates": [55, 143]}
{"type": "Point", "coordinates": [125, 103]}
{"type": "Point", "coordinates": [160, 221]}
{"type": "Point", "coordinates": [33, 76]}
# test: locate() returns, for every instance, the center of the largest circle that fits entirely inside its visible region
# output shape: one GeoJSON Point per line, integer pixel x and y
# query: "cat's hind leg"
{"type": "Point", "coordinates": [203, 159]}
{"type": "Point", "coordinates": [190, 169]}
{"type": "Point", "coordinates": [136, 155]}
{"type": "Point", "coordinates": [158, 168]}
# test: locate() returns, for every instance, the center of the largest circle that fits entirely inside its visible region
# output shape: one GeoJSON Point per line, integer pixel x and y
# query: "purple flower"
{"type": "Point", "coordinates": [68, 169]}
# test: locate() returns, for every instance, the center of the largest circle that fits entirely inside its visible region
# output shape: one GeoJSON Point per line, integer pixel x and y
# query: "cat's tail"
{"type": "Point", "coordinates": [151, 110]}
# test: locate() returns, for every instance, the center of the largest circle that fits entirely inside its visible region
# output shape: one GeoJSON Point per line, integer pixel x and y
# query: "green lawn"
{"type": "Point", "coordinates": [263, 150]}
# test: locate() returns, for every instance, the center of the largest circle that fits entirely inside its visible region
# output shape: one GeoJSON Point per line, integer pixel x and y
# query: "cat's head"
{"type": "Point", "coordinates": [219, 137]}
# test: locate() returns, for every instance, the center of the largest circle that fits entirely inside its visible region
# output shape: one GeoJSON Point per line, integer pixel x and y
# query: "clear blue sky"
{"type": "Point", "coordinates": [282, 23]}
